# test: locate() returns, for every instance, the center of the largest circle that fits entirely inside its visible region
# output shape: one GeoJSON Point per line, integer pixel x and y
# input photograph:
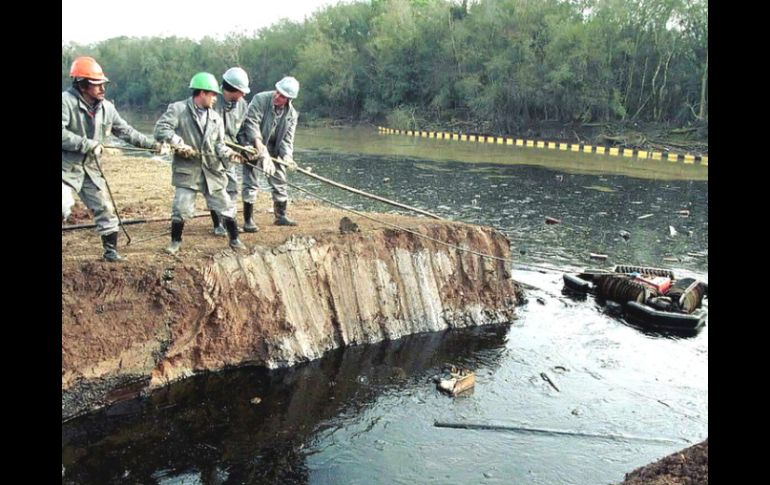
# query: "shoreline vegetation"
{"type": "Point", "coordinates": [630, 74]}
{"type": "Point", "coordinates": [650, 136]}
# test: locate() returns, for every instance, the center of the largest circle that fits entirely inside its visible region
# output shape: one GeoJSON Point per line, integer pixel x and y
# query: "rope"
{"type": "Point", "coordinates": [252, 151]}
{"type": "Point", "coordinates": [379, 221]}
{"type": "Point", "coordinates": [126, 222]}
{"type": "Point", "coordinates": [128, 149]}
{"type": "Point", "coordinates": [109, 191]}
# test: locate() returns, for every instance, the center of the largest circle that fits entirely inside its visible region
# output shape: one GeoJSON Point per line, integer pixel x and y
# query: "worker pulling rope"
{"type": "Point", "coordinates": [361, 214]}
{"type": "Point", "coordinates": [253, 151]}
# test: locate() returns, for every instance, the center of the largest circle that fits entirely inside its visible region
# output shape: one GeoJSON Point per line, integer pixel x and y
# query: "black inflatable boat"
{"type": "Point", "coordinates": [650, 297]}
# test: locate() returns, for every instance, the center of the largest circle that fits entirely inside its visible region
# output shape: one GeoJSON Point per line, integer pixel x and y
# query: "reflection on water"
{"type": "Point", "coordinates": [207, 427]}
{"type": "Point", "coordinates": [367, 141]}
{"type": "Point", "coordinates": [365, 414]}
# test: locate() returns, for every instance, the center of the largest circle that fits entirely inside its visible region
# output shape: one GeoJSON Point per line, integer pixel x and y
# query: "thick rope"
{"type": "Point", "coordinates": [529, 267]}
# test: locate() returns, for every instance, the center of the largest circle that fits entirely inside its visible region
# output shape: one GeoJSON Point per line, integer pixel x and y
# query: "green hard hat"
{"type": "Point", "coordinates": [205, 81]}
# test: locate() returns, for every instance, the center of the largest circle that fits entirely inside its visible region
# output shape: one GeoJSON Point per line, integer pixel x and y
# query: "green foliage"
{"type": "Point", "coordinates": [492, 63]}
{"type": "Point", "coordinates": [403, 118]}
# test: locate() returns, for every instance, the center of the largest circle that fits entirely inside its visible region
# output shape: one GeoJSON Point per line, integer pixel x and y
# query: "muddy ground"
{"type": "Point", "coordinates": [687, 467]}
{"type": "Point", "coordinates": [142, 189]}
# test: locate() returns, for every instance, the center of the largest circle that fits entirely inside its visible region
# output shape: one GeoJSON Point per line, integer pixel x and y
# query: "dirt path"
{"type": "Point", "coordinates": [142, 189]}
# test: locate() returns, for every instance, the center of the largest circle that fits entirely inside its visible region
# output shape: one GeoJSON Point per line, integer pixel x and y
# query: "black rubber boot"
{"type": "Point", "coordinates": [177, 227]}
{"type": "Point", "coordinates": [110, 245]}
{"type": "Point", "coordinates": [218, 229]}
{"type": "Point", "coordinates": [232, 231]}
{"type": "Point", "coordinates": [248, 222]}
{"type": "Point", "coordinates": [279, 208]}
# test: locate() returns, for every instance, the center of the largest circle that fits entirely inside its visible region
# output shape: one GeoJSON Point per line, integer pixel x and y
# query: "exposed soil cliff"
{"type": "Point", "coordinates": [295, 294]}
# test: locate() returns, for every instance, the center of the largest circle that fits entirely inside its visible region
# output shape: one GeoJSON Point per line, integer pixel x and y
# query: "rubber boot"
{"type": "Point", "coordinates": [110, 245]}
{"type": "Point", "coordinates": [177, 227]}
{"type": "Point", "coordinates": [279, 208]}
{"type": "Point", "coordinates": [248, 222]}
{"type": "Point", "coordinates": [218, 229]}
{"type": "Point", "coordinates": [232, 231]}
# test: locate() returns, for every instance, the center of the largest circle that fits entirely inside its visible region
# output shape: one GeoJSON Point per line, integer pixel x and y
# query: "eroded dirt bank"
{"type": "Point", "coordinates": [296, 293]}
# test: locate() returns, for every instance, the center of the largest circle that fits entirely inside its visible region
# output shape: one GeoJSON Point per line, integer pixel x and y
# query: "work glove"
{"type": "Point", "coordinates": [260, 151]}
{"type": "Point", "coordinates": [261, 148]}
{"type": "Point", "coordinates": [289, 163]}
{"type": "Point", "coordinates": [268, 166]}
{"type": "Point", "coordinates": [253, 156]}
{"type": "Point", "coordinates": [162, 148]}
{"type": "Point", "coordinates": [185, 151]}
{"type": "Point", "coordinates": [95, 149]}
{"type": "Point", "coordinates": [236, 157]}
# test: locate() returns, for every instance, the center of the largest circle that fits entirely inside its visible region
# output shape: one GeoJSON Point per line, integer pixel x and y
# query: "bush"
{"type": "Point", "coordinates": [403, 118]}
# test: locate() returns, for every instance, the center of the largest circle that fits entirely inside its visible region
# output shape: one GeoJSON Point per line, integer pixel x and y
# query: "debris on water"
{"type": "Point", "coordinates": [522, 250]}
{"type": "Point", "coordinates": [549, 381]}
{"type": "Point", "coordinates": [600, 188]}
{"type": "Point", "coordinates": [455, 380]}
{"type": "Point", "coordinates": [645, 216]}
{"type": "Point", "coordinates": [600, 257]}
{"type": "Point", "coordinates": [551, 220]}
{"type": "Point", "coordinates": [625, 235]}
{"type": "Point", "coordinates": [255, 400]}
{"type": "Point", "coordinates": [386, 179]}
{"type": "Point", "coordinates": [575, 412]}
{"type": "Point", "coordinates": [672, 231]}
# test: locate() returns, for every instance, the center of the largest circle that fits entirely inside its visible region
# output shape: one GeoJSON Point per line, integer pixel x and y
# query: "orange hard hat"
{"type": "Point", "coordinates": [88, 68]}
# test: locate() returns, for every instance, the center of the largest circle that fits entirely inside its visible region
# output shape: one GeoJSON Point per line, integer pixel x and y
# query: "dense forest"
{"type": "Point", "coordinates": [494, 65]}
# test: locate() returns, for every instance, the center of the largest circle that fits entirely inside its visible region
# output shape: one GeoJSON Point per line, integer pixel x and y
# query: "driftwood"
{"type": "Point", "coordinates": [549, 381]}
{"type": "Point", "coordinates": [661, 141]}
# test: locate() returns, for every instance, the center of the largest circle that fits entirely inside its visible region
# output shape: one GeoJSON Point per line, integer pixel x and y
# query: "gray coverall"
{"type": "Point", "coordinates": [232, 115]}
{"type": "Point", "coordinates": [81, 130]}
{"type": "Point", "coordinates": [204, 173]}
{"type": "Point", "coordinates": [277, 133]}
